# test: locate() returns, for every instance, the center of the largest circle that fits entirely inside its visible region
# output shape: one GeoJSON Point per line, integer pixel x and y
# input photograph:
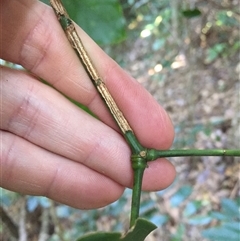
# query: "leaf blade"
{"type": "Point", "coordinates": [138, 232]}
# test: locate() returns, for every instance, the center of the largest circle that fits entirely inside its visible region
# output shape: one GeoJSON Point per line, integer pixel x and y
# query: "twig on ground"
{"type": "Point", "coordinates": [8, 222]}
{"type": "Point", "coordinates": [22, 221]}
{"type": "Point", "coordinates": [43, 235]}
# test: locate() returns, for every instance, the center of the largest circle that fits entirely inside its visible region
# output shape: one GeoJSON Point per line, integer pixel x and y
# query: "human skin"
{"type": "Point", "coordinates": [49, 146]}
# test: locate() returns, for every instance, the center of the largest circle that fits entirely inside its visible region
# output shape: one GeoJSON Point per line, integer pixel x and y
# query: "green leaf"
{"type": "Point", "coordinates": [137, 233]}
{"type": "Point", "coordinates": [191, 208]}
{"type": "Point", "coordinates": [158, 44]}
{"type": "Point", "coordinates": [34, 201]}
{"type": "Point", "coordinates": [159, 219]}
{"type": "Point", "coordinates": [230, 208]}
{"type": "Point", "coordinates": [235, 226]}
{"type": "Point", "coordinates": [178, 236]}
{"type": "Point", "coordinates": [191, 13]}
{"type": "Point", "coordinates": [226, 17]}
{"type": "Point", "coordinates": [100, 237]}
{"type": "Point", "coordinates": [63, 211]}
{"type": "Point", "coordinates": [102, 20]}
{"type": "Point", "coordinates": [219, 216]}
{"type": "Point", "coordinates": [215, 51]}
{"type": "Point", "coordinates": [180, 195]}
{"type": "Point", "coordinates": [220, 47]}
{"type": "Point", "coordinates": [200, 220]}
{"type": "Point", "coordinates": [221, 233]}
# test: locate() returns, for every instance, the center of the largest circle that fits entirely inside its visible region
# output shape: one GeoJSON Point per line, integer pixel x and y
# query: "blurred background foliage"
{"type": "Point", "coordinates": [186, 54]}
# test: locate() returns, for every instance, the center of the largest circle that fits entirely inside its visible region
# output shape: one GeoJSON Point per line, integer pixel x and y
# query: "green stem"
{"type": "Point", "coordinates": [153, 154]}
{"type": "Point", "coordinates": [133, 142]}
{"type": "Point", "coordinates": [138, 165]}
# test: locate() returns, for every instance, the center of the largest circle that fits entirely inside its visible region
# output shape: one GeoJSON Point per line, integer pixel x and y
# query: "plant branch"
{"type": "Point", "coordinates": [59, 230]}
{"type": "Point", "coordinates": [138, 152]}
{"type": "Point", "coordinates": [43, 235]}
{"type": "Point", "coordinates": [22, 222]}
{"type": "Point", "coordinates": [76, 43]}
{"type": "Point", "coordinates": [153, 154]}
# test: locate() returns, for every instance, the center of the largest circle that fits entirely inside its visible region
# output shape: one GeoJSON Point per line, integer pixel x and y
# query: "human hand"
{"type": "Point", "coordinates": [52, 148]}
